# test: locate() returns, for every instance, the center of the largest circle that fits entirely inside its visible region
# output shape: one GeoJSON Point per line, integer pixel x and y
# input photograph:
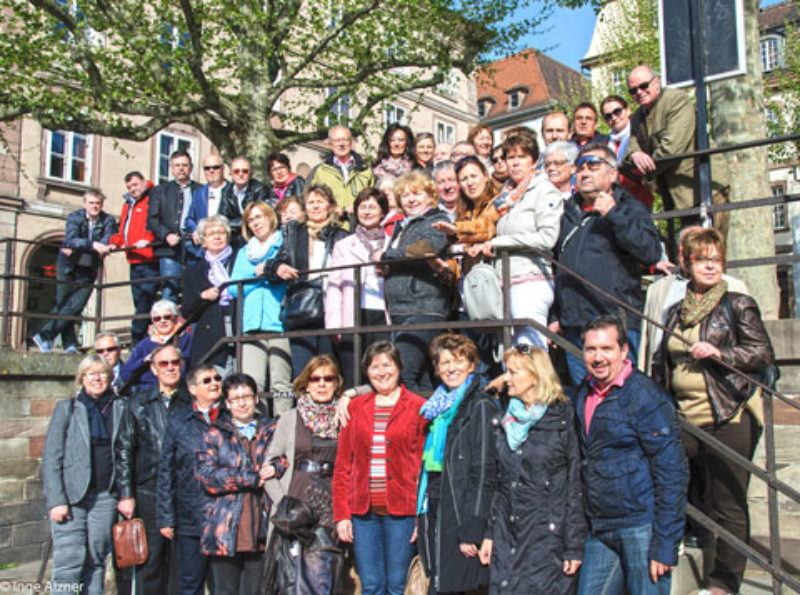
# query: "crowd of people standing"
{"type": "Point", "coordinates": [268, 468]}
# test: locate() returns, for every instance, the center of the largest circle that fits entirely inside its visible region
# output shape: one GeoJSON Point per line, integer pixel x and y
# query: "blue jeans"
{"type": "Point", "coordinates": [82, 544]}
{"type": "Point", "coordinates": [192, 565]}
{"type": "Point", "coordinates": [144, 296]}
{"type": "Point", "coordinates": [618, 562]}
{"type": "Point", "coordinates": [383, 552]}
{"type": "Point", "coordinates": [577, 371]}
{"type": "Point", "coordinates": [71, 298]}
{"type": "Point", "coordinates": [170, 288]}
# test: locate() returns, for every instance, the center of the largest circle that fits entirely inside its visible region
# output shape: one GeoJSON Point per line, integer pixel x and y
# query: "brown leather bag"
{"type": "Point", "coordinates": [130, 543]}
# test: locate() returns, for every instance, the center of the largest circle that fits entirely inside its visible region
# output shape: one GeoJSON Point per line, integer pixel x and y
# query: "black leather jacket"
{"type": "Point", "coordinates": [141, 434]}
{"type": "Point", "coordinates": [256, 191]}
{"type": "Point", "coordinates": [747, 348]}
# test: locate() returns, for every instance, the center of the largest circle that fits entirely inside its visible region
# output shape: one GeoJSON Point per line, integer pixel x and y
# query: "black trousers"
{"type": "Point", "coordinates": [237, 575]}
{"type": "Point", "coordinates": [725, 493]}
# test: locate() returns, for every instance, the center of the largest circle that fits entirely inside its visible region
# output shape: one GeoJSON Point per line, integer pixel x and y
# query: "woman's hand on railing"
{"type": "Point", "coordinates": [260, 269]}
{"type": "Point", "coordinates": [211, 294]}
{"type": "Point", "coordinates": [704, 349]}
{"type": "Point", "coordinates": [286, 272]}
{"type": "Point", "coordinates": [474, 250]}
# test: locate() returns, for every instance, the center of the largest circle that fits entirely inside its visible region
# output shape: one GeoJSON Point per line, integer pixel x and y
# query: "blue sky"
{"type": "Point", "coordinates": [570, 32]}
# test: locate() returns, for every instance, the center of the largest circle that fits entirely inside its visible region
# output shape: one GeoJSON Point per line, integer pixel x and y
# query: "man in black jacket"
{"type": "Point", "coordinates": [169, 207]}
{"type": "Point", "coordinates": [606, 235]}
{"type": "Point", "coordinates": [181, 500]}
{"type": "Point", "coordinates": [138, 449]}
{"type": "Point", "coordinates": [85, 244]}
{"type": "Point", "coordinates": [244, 190]}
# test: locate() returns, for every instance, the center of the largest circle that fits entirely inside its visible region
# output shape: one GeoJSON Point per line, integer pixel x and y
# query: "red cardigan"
{"type": "Point", "coordinates": [405, 439]}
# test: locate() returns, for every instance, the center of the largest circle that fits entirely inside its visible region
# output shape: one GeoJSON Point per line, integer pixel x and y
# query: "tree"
{"type": "Point", "coordinates": [252, 75]}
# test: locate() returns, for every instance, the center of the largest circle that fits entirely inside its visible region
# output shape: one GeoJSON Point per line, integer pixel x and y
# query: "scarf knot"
{"type": "Point", "coordinates": [696, 307]}
{"type": "Point", "coordinates": [320, 418]}
{"type": "Point", "coordinates": [518, 419]}
{"type": "Point", "coordinates": [218, 272]}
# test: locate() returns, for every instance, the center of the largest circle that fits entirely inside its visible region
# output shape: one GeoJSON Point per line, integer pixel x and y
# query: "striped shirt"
{"type": "Point", "coordinates": [377, 462]}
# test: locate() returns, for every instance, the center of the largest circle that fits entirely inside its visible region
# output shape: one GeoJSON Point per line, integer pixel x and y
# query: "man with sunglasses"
{"type": "Point", "coordinates": [236, 196]}
{"type": "Point", "coordinates": [181, 498]}
{"type": "Point", "coordinates": [166, 215]}
{"type": "Point", "coordinates": [665, 125]}
{"type": "Point", "coordinates": [206, 201]}
{"type": "Point", "coordinates": [605, 236]}
{"type": "Point", "coordinates": [106, 345]}
{"type": "Point", "coordinates": [138, 450]}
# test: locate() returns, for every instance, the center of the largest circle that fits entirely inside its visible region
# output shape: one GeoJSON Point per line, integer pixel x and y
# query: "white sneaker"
{"type": "Point", "coordinates": [44, 346]}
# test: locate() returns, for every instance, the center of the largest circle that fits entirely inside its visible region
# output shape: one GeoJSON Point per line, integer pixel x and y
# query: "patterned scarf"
{"type": "Point", "coordinates": [371, 239]}
{"type": "Point", "coordinates": [518, 420]}
{"type": "Point", "coordinates": [441, 408]}
{"type": "Point", "coordinates": [218, 272]}
{"type": "Point", "coordinates": [696, 307]}
{"type": "Point", "coordinates": [511, 194]}
{"type": "Point", "coordinates": [320, 418]}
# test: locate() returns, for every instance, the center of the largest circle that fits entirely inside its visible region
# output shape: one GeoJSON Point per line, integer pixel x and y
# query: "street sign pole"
{"type": "Point", "coordinates": [697, 20]}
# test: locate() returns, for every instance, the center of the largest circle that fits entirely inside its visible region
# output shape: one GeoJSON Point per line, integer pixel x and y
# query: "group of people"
{"type": "Point", "coordinates": [497, 471]}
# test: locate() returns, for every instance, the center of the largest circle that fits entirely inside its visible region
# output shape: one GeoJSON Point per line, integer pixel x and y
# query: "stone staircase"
{"type": "Point", "coordinates": [30, 386]}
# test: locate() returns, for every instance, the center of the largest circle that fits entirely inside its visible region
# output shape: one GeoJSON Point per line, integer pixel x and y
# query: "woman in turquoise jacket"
{"type": "Point", "coordinates": [268, 360]}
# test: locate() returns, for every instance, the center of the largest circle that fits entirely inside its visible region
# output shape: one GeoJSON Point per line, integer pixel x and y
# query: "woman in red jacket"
{"type": "Point", "coordinates": [375, 476]}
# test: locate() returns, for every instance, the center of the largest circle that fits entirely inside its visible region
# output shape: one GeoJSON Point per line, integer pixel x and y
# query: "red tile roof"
{"type": "Point", "coordinates": [777, 14]}
{"type": "Point", "coordinates": [544, 77]}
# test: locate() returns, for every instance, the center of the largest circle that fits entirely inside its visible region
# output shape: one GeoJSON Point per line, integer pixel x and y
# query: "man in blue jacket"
{"type": "Point", "coordinates": [634, 467]}
{"type": "Point", "coordinates": [180, 498]}
{"type": "Point", "coordinates": [85, 244]}
{"type": "Point", "coordinates": [606, 235]}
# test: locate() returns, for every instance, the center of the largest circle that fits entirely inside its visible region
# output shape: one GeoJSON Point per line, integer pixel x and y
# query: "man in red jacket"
{"type": "Point", "coordinates": [133, 234]}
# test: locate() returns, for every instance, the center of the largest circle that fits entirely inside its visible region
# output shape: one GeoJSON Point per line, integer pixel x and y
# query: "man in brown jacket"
{"type": "Point", "coordinates": [665, 125]}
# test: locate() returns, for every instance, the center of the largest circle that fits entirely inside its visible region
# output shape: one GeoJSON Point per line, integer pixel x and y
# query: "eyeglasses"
{"type": "Point", "coordinates": [326, 379]}
{"type": "Point", "coordinates": [211, 167]}
{"type": "Point", "coordinates": [593, 162]}
{"type": "Point", "coordinates": [165, 317]}
{"type": "Point", "coordinates": [278, 168]}
{"type": "Point", "coordinates": [93, 375]}
{"type": "Point", "coordinates": [166, 363]}
{"type": "Point", "coordinates": [641, 87]}
{"type": "Point", "coordinates": [242, 399]}
{"type": "Point", "coordinates": [210, 379]}
{"type": "Point", "coordinates": [101, 350]}
{"type": "Point", "coordinates": [555, 163]}
{"type": "Point", "coordinates": [240, 172]}
{"type": "Point", "coordinates": [707, 260]}
{"type": "Point", "coordinates": [608, 116]}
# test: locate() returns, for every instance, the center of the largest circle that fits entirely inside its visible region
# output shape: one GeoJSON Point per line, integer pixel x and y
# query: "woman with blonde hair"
{"type": "Point", "coordinates": [421, 290]}
{"type": "Point", "coordinates": [537, 526]}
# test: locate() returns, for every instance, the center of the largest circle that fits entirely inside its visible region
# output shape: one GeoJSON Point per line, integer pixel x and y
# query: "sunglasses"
{"type": "Point", "coordinates": [166, 317]}
{"type": "Point", "coordinates": [593, 162]}
{"type": "Point", "coordinates": [325, 379]}
{"type": "Point", "coordinates": [640, 87]}
{"type": "Point", "coordinates": [240, 172]}
{"type": "Point", "coordinates": [210, 379]}
{"type": "Point", "coordinates": [102, 350]}
{"type": "Point", "coordinates": [166, 363]}
{"type": "Point", "coordinates": [613, 114]}
{"type": "Point", "coordinates": [523, 349]}
{"type": "Point", "coordinates": [211, 167]}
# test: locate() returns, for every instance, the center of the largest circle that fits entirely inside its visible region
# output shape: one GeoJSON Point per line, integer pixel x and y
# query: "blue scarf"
{"type": "Point", "coordinates": [441, 408]}
{"type": "Point", "coordinates": [247, 430]}
{"type": "Point", "coordinates": [97, 409]}
{"type": "Point", "coordinates": [518, 420]}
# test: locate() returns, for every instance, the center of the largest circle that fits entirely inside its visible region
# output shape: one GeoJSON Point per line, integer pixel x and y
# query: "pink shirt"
{"type": "Point", "coordinates": [598, 393]}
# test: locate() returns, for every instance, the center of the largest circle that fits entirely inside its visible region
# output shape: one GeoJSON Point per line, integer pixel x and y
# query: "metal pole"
{"type": "Point", "coordinates": [697, 19]}
{"type": "Point", "coordinates": [357, 341]}
{"type": "Point", "coordinates": [238, 328]}
{"type": "Point", "coordinates": [98, 309]}
{"type": "Point", "coordinates": [7, 301]}
{"type": "Point", "coordinates": [506, 268]}
{"type": "Point", "coordinates": [772, 493]}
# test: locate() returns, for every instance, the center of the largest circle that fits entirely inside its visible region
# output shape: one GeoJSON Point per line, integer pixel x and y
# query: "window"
{"type": "Point", "coordinates": [449, 86]}
{"type": "Point", "coordinates": [340, 110]}
{"type": "Point", "coordinates": [395, 113]}
{"type": "Point", "coordinates": [95, 38]}
{"type": "Point", "coordinates": [779, 216]}
{"type": "Point", "coordinates": [619, 81]}
{"type": "Point", "coordinates": [482, 109]}
{"type": "Point", "coordinates": [445, 133]}
{"type": "Point", "coordinates": [69, 156]}
{"type": "Point", "coordinates": [167, 144]}
{"type": "Point", "coordinates": [770, 53]}
{"type": "Point", "coordinates": [514, 99]}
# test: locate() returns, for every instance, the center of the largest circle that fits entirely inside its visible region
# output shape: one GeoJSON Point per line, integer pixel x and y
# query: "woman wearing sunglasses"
{"type": "Point", "coordinates": [303, 555]}
{"type": "Point", "coordinates": [537, 526]}
{"type": "Point", "coordinates": [164, 322]}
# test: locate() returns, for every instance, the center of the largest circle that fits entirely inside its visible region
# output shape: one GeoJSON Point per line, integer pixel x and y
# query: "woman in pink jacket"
{"type": "Point", "coordinates": [370, 207]}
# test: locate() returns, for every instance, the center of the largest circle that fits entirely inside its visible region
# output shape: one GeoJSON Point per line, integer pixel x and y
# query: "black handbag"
{"type": "Point", "coordinates": [303, 305]}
